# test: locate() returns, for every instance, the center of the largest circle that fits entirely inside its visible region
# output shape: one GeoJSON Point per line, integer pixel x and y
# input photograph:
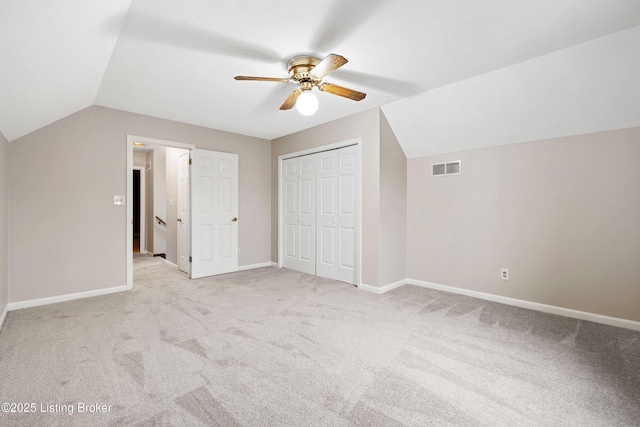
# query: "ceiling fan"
{"type": "Point", "coordinates": [307, 72]}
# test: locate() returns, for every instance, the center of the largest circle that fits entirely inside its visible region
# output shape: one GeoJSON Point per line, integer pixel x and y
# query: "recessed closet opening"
{"type": "Point", "coordinates": [319, 196]}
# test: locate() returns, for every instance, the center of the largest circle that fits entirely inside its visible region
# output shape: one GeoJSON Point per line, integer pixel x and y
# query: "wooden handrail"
{"type": "Point", "coordinates": [160, 221]}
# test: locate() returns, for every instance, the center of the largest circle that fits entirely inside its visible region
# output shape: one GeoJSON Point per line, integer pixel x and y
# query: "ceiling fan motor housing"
{"type": "Point", "coordinates": [299, 68]}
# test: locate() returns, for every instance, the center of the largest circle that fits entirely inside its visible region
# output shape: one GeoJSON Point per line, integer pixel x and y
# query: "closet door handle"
{"type": "Point", "coordinates": [234, 219]}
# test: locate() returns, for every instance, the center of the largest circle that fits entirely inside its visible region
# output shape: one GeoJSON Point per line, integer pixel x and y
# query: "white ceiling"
{"type": "Point", "coordinates": [586, 88]}
{"type": "Point", "coordinates": [176, 60]}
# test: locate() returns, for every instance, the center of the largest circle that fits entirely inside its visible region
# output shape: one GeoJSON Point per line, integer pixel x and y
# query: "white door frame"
{"type": "Point", "coordinates": [143, 230]}
{"type": "Point", "coordinates": [358, 143]}
{"type": "Point", "coordinates": [129, 196]}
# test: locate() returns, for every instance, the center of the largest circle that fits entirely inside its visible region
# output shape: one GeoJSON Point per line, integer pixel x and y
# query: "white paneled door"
{"type": "Point", "coordinates": [214, 213]}
{"type": "Point", "coordinates": [320, 214]}
{"type": "Point", "coordinates": [299, 214]}
{"type": "Point", "coordinates": [337, 214]}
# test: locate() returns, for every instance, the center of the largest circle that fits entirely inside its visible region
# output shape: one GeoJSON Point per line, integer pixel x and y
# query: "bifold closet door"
{"type": "Point", "coordinates": [299, 226]}
{"type": "Point", "coordinates": [336, 217]}
{"type": "Point", "coordinates": [320, 214]}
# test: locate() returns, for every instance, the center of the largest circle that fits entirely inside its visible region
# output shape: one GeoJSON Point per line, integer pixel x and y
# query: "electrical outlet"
{"type": "Point", "coordinates": [275, 258]}
{"type": "Point", "coordinates": [504, 273]}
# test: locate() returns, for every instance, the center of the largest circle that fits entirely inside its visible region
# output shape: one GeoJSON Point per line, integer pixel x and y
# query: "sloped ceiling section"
{"type": "Point", "coordinates": [590, 87]}
{"type": "Point", "coordinates": [176, 60]}
{"type": "Point", "coordinates": [53, 56]}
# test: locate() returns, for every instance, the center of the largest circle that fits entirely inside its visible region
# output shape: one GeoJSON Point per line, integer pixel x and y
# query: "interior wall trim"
{"type": "Point", "coordinates": [170, 264]}
{"type": "Point", "coordinates": [567, 312]}
{"type": "Point", "coordinates": [61, 298]}
{"type": "Point", "coordinates": [129, 193]}
{"type": "Point", "coordinates": [258, 265]}
{"type": "Point", "coordinates": [3, 316]}
{"type": "Point", "coordinates": [382, 289]}
{"type": "Point", "coordinates": [552, 309]}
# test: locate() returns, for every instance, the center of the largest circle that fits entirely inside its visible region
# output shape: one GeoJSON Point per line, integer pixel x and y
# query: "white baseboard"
{"type": "Point", "coordinates": [3, 316]}
{"type": "Point", "coordinates": [259, 265]}
{"type": "Point", "coordinates": [567, 312]}
{"type": "Point", "coordinates": [382, 289]}
{"type": "Point", "coordinates": [170, 264]}
{"type": "Point", "coordinates": [61, 298]}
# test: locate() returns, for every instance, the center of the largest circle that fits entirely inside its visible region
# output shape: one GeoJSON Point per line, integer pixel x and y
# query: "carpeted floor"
{"type": "Point", "coordinates": [276, 347]}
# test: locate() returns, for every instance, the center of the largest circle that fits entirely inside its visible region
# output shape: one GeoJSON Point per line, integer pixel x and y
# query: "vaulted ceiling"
{"type": "Point", "coordinates": [176, 60]}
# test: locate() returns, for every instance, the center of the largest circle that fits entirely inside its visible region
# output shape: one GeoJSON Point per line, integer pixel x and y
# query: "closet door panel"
{"type": "Point", "coordinates": [299, 215]}
{"type": "Point", "coordinates": [337, 214]}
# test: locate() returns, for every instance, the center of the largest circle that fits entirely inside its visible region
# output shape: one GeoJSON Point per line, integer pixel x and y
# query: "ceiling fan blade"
{"type": "Point", "coordinates": [342, 91]}
{"type": "Point", "coordinates": [262, 79]}
{"type": "Point", "coordinates": [331, 63]}
{"type": "Point", "coordinates": [291, 100]}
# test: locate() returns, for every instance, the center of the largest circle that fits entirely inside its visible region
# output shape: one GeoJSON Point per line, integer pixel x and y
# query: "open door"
{"type": "Point", "coordinates": [214, 213]}
{"type": "Point", "coordinates": [183, 213]}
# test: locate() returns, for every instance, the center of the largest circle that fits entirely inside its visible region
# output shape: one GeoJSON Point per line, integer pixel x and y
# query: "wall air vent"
{"type": "Point", "coordinates": [438, 169]}
{"type": "Point", "coordinates": [450, 168]}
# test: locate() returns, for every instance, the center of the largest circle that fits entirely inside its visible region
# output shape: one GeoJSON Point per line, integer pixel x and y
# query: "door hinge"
{"type": "Point", "coordinates": [190, 259]}
{"type": "Point", "coordinates": [190, 161]}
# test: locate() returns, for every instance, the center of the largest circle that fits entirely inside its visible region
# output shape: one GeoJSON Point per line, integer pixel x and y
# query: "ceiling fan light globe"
{"type": "Point", "coordinates": [307, 103]}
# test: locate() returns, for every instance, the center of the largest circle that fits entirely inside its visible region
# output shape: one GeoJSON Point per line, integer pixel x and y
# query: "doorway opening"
{"type": "Point", "coordinates": [139, 244]}
{"type": "Point", "coordinates": [191, 206]}
{"type": "Point", "coordinates": [153, 189]}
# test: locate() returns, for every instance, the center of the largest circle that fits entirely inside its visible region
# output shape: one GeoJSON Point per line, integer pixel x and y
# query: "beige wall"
{"type": "Point", "coordinates": [67, 236]}
{"type": "Point", "coordinates": [4, 213]}
{"type": "Point", "coordinates": [139, 158]}
{"type": "Point", "coordinates": [562, 214]}
{"type": "Point", "coordinates": [393, 206]}
{"type": "Point", "coordinates": [365, 125]}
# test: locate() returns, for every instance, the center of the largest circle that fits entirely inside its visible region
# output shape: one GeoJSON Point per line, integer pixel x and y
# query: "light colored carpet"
{"type": "Point", "coordinates": [276, 347]}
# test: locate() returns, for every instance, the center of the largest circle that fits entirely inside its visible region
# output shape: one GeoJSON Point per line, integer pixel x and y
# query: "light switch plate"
{"type": "Point", "coordinates": [118, 200]}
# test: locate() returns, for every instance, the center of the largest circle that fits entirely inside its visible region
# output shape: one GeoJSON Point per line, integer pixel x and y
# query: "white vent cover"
{"type": "Point", "coordinates": [450, 168]}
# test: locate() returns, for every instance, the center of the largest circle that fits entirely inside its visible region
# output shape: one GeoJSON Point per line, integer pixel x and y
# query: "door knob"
{"type": "Point", "coordinates": [179, 219]}
{"type": "Point", "coordinates": [234, 219]}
